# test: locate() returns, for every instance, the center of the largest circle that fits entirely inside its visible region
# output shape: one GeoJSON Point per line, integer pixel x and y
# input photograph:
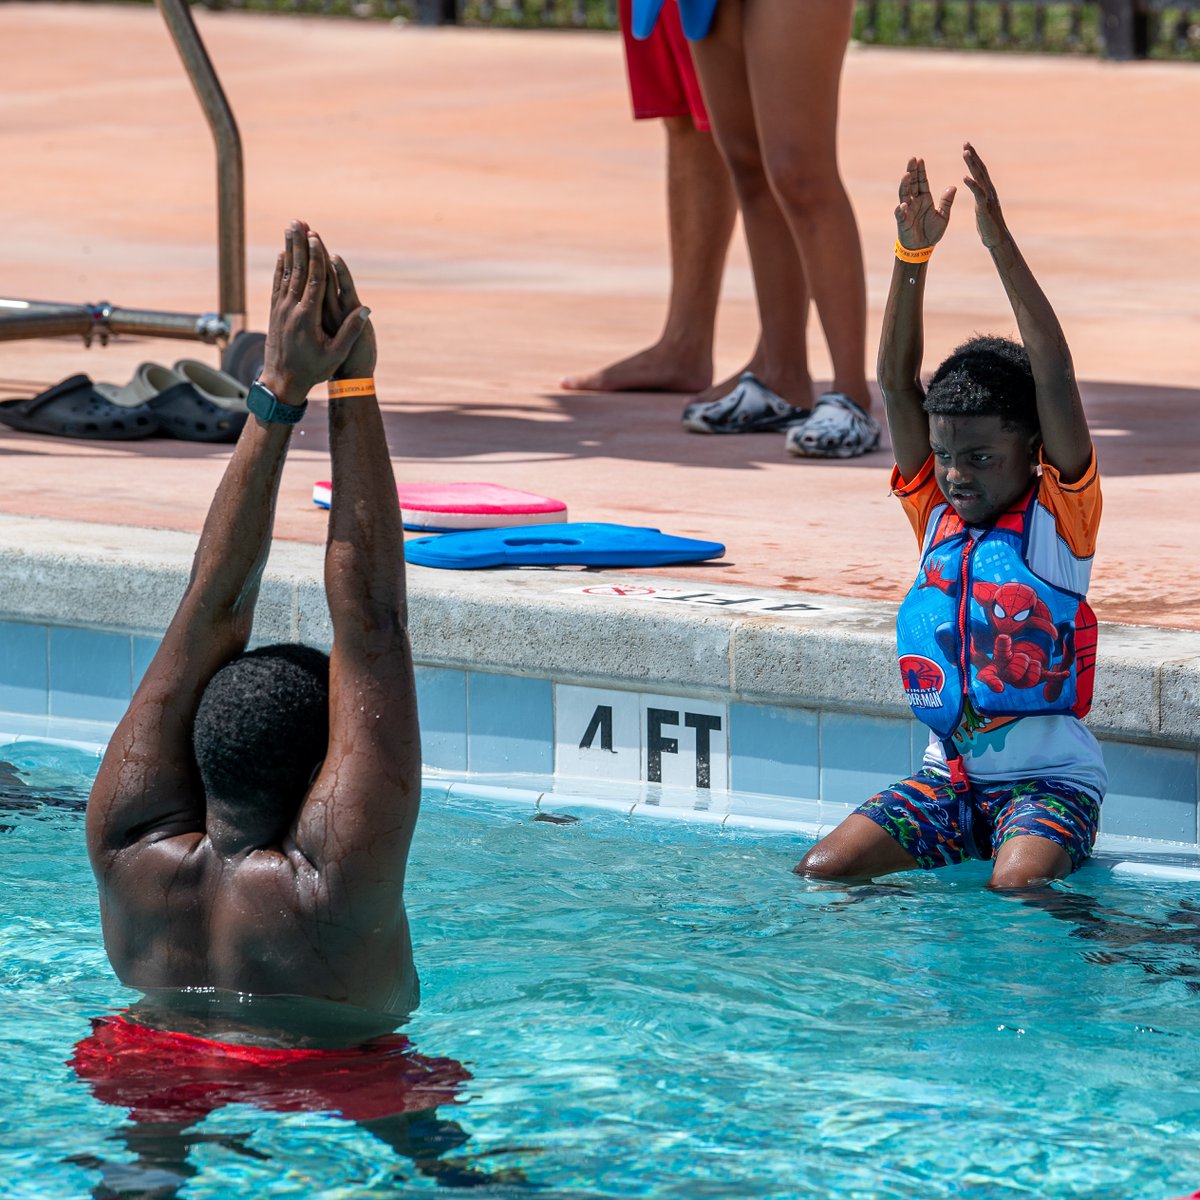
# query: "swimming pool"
{"type": "Point", "coordinates": [662, 1009]}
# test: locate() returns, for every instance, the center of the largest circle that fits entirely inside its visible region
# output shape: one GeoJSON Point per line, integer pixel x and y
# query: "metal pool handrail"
{"type": "Point", "coordinates": [96, 322]}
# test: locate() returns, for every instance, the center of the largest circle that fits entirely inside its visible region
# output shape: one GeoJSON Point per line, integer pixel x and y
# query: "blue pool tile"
{"type": "Point", "coordinates": [442, 703]}
{"type": "Point", "coordinates": [24, 668]}
{"type": "Point", "coordinates": [144, 649]}
{"type": "Point", "coordinates": [510, 722]}
{"type": "Point", "coordinates": [90, 674]}
{"type": "Point", "coordinates": [773, 750]}
{"type": "Point", "coordinates": [860, 755]}
{"type": "Point", "coordinates": [1151, 792]}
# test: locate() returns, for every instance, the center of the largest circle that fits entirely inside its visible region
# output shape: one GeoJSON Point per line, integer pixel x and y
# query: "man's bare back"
{"type": "Point", "coordinates": [232, 849]}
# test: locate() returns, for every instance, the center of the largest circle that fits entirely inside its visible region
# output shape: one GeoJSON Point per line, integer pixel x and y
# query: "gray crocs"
{"type": "Point", "coordinates": [217, 387]}
{"type": "Point", "coordinates": [148, 380]}
{"type": "Point", "coordinates": [838, 428]}
{"type": "Point", "coordinates": [750, 408]}
{"type": "Point", "coordinates": [152, 379]}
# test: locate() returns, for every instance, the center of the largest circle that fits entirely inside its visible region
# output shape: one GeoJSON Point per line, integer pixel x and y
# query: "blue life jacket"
{"type": "Point", "coordinates": [998, 620]}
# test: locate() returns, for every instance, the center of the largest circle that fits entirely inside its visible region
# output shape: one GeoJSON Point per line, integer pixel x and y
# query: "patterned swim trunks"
{"type": "Point", "coordinates": [928, 819]}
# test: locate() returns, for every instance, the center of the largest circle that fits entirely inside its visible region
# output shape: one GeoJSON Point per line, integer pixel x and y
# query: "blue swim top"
{"type": "Point", "coordinates": [696, 16]}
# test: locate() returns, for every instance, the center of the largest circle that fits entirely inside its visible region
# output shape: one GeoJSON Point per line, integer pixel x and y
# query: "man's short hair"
{"type": "Point", "coordinates": [262, 727]}
{"type": "Point", "coordinates": [986, 376]}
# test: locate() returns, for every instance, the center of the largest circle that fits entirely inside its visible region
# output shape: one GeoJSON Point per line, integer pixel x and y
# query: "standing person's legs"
{"type": "Point", "coordinates": [794, 56]}
{"type": "Point", "coordinates": [700, 208]}
{"type": "Point", "coordinates": [781, 362]}
{"type": "Point", "coordinates": [700, 216]}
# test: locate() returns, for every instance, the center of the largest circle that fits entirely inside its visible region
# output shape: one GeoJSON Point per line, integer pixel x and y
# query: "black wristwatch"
{"type": "Point", "coordinates": [266, 406]}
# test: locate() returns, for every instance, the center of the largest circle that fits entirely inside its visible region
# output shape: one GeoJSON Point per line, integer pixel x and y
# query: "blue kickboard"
{"type": "Point", "coordinates": [569, 543]}
{"type": "Point", "coordinates": [695, 15]}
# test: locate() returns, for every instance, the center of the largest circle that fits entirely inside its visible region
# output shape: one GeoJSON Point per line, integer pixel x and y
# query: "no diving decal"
{"type": "Point", "coordinates": [738, 602]}
{"type": "Point", "coordinates": [638, 738]}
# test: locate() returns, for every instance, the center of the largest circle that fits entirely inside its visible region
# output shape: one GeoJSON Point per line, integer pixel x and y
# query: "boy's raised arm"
{"type": "Point", "coordinates": [1066, 441]}
{"type": "Point", "coordinates": [919, 226]}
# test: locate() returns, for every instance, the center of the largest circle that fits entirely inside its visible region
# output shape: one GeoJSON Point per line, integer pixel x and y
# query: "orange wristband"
{"type": "Point", "coordinates": [339, 388]}
{"type": "Point", "coordinates": [904, 254]}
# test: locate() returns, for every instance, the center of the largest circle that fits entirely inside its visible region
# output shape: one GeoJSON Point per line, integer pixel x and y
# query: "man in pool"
{"type": "Point", "coordinates": [996, 641]}
{"type": "Point", "coordinates": [250, 823]}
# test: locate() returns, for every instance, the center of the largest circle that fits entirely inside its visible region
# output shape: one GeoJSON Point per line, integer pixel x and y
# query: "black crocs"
{"type": "Point", "coordinates": [75, 409]}
{"type": "Point", "coordinates": [183, 412]}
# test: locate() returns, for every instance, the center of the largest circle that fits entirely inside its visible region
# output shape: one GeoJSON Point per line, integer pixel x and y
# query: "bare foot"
{"type": "Point", "coordinates": [656, 369]}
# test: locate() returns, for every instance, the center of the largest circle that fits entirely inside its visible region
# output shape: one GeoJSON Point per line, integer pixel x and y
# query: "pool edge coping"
{"type": "Point", "coordinates": [839, 654]}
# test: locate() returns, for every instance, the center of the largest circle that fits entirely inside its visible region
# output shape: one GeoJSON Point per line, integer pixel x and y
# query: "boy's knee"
{"type": "Point", "coordinates": [1019, 879]}
{"type": "Point", "coordinates": [857, 849]}
{"type": "Point", "coordinates": [1029, 862]}
{"type": "Point", "coordinates": [824, 862]}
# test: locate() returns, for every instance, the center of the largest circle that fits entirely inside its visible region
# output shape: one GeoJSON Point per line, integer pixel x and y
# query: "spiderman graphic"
{"type": "Point", "coordinates": [1017, 643]}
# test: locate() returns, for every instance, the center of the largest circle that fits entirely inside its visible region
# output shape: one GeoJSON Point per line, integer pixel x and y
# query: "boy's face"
{"type": "Point", "coordinates": [982, 467]}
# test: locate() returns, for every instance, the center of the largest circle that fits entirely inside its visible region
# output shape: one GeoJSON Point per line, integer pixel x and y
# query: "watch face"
{"type": "Point", "coordinates": [260, 401]}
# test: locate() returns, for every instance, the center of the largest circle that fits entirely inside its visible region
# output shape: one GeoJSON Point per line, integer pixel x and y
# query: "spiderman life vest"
{"type": "Point", "coordinates": [998, 620]}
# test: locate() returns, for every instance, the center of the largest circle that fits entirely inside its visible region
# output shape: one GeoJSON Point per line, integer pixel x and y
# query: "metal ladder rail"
{"type": "Point", "coordinates": [39, 318]}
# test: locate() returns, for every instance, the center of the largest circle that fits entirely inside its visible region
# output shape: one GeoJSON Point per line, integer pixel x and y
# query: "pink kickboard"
{"type": "Point", "coordinates": [440, 507]}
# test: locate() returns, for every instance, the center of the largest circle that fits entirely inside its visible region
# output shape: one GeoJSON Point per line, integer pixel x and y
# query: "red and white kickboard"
{"type": "Point", "coordinates": [445, 507]}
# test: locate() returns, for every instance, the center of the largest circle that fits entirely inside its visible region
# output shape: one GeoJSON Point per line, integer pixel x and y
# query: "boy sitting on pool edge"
{"type": "Point", "coordinates": [995, 638]}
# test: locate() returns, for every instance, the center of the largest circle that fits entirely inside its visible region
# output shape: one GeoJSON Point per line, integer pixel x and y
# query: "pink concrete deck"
{"type": "Point", "coordinates": [505, 219]}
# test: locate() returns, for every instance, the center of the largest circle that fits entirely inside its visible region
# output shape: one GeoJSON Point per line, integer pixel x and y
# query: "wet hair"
{"type": "Point", "coordinates": [986, 376]}
{"type": "Point", "coordinates": [262, 728]}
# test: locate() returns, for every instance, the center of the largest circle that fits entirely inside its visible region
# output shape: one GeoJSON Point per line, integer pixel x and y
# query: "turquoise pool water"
{"type": "Point", "coordinates": [652, 1009]}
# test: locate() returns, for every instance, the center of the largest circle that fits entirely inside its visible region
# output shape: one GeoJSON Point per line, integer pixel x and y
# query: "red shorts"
{"type": "Point", "coordinates": [163, 1076]}
{"type": "Point", "coordinates": [662, 76]}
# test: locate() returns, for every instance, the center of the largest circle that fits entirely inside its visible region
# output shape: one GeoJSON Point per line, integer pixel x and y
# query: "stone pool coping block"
{"type": "Point", "coordinates": [838, 655]}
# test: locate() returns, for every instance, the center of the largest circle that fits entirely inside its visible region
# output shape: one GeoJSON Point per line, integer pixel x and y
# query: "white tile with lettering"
{"type": "Point", "coordinates": [597, 733]}
{"type": "Point", "coordinates": [685, 742]}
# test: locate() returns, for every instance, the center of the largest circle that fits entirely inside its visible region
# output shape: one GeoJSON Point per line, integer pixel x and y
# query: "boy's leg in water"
{"type": "Point", "coordinates": [917, 822]}
{"type": "Point", "coordinates": [1030, 861]}
{"type": "Point", "coordinates": [1043, 830]}
{"type": "Point", "coordinates": [857, 849]}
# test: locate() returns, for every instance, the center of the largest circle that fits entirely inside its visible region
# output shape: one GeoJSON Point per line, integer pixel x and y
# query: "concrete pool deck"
{"type": "Point", "coordinates": [505, 219]}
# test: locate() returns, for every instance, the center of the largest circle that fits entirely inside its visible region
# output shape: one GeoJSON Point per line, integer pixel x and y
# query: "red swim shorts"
{"type": "Point", "coordinates": [163, 1076]}
{"type": "Point", "coordinates": [662, 76]}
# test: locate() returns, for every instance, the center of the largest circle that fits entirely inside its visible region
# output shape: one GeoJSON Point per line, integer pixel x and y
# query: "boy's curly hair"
{"type": "Point", "coordinates": [262, 728]}
{"type": "Point", "coordinates": [986, 376]}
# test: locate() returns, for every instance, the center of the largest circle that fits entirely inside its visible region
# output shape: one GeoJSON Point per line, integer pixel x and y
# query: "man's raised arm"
{"type": "Point", "coordinates": [147, 783]}
{"type": "Point", "coordinates": [358, 820]}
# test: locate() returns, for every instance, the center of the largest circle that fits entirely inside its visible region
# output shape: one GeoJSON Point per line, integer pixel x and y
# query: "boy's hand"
{"type": "Point", "coordinates": [342, 304]}
{"type": "Point", "coordinates": [299, 352]}
{"type": "Point", "coordinates": [920, 222]}
{"type": "Point", "coordinates": [988, 216]}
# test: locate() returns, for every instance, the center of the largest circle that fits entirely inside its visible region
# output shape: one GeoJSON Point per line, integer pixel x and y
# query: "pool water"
{"type": "Point", "coordinates": [653, 1009]}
